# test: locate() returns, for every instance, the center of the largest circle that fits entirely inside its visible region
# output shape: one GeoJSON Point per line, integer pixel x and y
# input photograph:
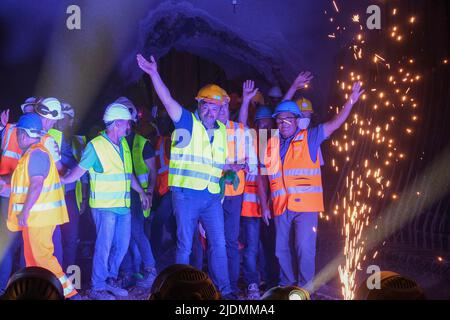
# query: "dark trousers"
{"type": "Point", "coordinates": [11, 247]}
{"type": "Point", "coordinates": [69, 231]}
{"type": "Point", "coordinates": [250, 239]}
{"type": "Point", "coordinates": [232, 214]}
{"type": "Point", "coordinates": [163, 234]}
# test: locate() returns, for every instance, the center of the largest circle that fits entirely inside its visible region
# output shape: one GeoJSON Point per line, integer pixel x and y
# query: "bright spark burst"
{"type": "Point", "coordinates": [365, 178]}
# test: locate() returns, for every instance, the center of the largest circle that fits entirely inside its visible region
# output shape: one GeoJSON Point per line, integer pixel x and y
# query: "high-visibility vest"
{"type": "Point", "coordinates": [78, 145]}
{"type": "Point", "coordinates": [199, 164]}
{"type": "Point", "coordinates": [139, 165]}
{"type": "Point", "coordinates": [57, 135]}
{"type": "Point", "coordinates": [11, 152]}
{"type": "Point", "coordinates": [250, 201]}
{"type": "Point", "coordinates": [236, 154]}
{"type": "Point", "coordinates": [50, 208]}
{"type": "Point", "coordinates": [111, 188]}
{"type": "Point", "coordinates": [295, 184]}
{"type": "Point", "coordinates": [162, 165]}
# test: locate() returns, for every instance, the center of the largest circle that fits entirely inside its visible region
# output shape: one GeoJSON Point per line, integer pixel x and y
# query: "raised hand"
{"type": "Point", "coordinates": [303, 79]}
{"type": "Point", "coordinates": [248, 90]}
{"type": "Point", "coordinates": [4, 117]}
{"type": "Point", "coordinates": [145, 65]}
{"type": "Point", "coordinates": [356, 92]}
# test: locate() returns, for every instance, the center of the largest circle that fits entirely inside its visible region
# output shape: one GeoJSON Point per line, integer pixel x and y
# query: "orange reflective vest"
{"type": "Point", "coordinates": [236, 154]}
{"type": "Point", "coordinates": [162, 164]}
{"type": "Point", "coordinates": [250, 200]}
{"type": "Point", "coordinates": [296, 184]}
{"type": "Point", "coordinates": [50, 208]}
{"type": "Point", "coordinates": [11, 152]}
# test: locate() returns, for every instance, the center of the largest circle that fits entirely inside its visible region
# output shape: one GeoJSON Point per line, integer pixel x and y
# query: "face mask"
{"type": "Point", "coordinates": [303, 123]}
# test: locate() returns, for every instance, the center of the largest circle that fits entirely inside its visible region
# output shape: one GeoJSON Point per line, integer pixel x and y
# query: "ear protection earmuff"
{"type": "Point", "coordinates": [43, 110]}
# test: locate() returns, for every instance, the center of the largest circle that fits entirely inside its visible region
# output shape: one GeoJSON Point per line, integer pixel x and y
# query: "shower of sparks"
{"type": "Point", "coordinates": [366, 150]}
{"type": "Point", "coordinates": [335, 6]}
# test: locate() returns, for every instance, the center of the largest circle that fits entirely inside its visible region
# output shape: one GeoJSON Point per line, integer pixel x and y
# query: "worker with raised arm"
{"type": "Point", "coordinates": [293, 169]}
{"type": "Point", "coordinates": [197, 161]}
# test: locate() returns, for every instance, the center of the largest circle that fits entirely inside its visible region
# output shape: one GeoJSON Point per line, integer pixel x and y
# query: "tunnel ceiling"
{"type": "Point", "coordinates": [274, 39]}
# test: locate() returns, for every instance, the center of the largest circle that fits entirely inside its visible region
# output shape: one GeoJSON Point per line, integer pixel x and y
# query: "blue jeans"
{"type": "Point", "coordinates": [143, 254]}
{"type": "Point", "coordinates": [69, 231]}
{"type": "Point", "coordinates": [132, 261]}
{"type": "Point", "coordinates": [111, 245]}
{"type": "Point", "coordinates": [250, 239]}
{"type": "Point", "coordinates": [297, 261]}
{"type": "Point", "coordinates": [163, 234]}
{"type": "Point", "coordinates": [11, 247]}
{"type": "Point", "coordinates": [197, 254]}
{"type": "Point", "coordinates": [189, 209]}
{"type": "Point", "coordinates": [232, 213]}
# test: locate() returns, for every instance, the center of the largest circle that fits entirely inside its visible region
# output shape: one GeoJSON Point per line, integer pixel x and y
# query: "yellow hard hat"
{"type": "Point", "coordinates": [304, 104]}
{"type": "Point", "coordinates": [213, 94]}
{"type": "Point", "coordinates": [258, 98]}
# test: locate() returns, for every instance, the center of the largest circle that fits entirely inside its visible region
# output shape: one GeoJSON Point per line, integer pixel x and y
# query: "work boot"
{"type": "Point", "coordinates": [253, 292]}
{"type": "Point", "coordinates": [148, 279]}
{"type": "Point", "coordinates": [100, 295]}
{"type": "Point", "coordinates": [113, 286]}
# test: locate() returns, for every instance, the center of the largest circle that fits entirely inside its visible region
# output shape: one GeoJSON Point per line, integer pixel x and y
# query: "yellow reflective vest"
{"type": "Point", "coordinates": [139, 165]}
{"type": "Point", "coordinates": [78, 145]}
{"type": "Point", "coordinates": [50, 208]}
{"type": "Point", "coordinates": [199, 164]}
{"type": "Point", "coordinates": [111, 188]}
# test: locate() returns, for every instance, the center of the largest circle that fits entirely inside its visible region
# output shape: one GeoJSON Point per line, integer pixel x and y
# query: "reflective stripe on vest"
{"type": "Point", "coordinates": [111, 188]}
{"type": "Point", "coordinates": [41, 206]}
{"type": "Point", "coordinates": [18, 190]}
{"type": "Point", "coordinates": [296, 184]}
{"type": "Point", "coordinates": [50, 207]}
{"type": "Point", "coordinates": [198, 165]}
{"type": "Point", "coordinates": [11, 152]}
{"type": "Point", "coordinates": [68, 288]}
{"type": "Point", "coordinates": [250, 200]}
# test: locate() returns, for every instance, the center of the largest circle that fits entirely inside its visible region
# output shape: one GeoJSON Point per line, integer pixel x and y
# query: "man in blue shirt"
{"type": "Point", "coordinates": [192, 205]}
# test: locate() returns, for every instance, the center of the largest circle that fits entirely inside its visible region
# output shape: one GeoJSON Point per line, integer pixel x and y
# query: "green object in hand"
{"type": "Point", "coordinates": [228, 177]}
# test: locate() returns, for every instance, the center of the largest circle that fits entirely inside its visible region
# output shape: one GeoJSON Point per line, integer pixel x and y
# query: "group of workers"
{"type": "Point", "coordinates": [217, 185]}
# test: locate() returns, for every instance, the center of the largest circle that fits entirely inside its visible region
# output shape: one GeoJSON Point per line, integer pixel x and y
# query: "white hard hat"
{"type": "Point", "coordinates": [49, 108]}
{"type": "Point", "coordinates": [68, 110]}
{"type": "Point", "coordinates": [30, 101]}
{"type": "Point", "coordinates": [275, 92]}
{"type": "Point", "coordinates": [116, 111]}
{"type": "Point", "coordinates": [127, 103]}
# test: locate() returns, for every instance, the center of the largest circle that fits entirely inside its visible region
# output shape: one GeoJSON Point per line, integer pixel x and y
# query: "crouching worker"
{"type": "Point", "coordinates": [37, 203]}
